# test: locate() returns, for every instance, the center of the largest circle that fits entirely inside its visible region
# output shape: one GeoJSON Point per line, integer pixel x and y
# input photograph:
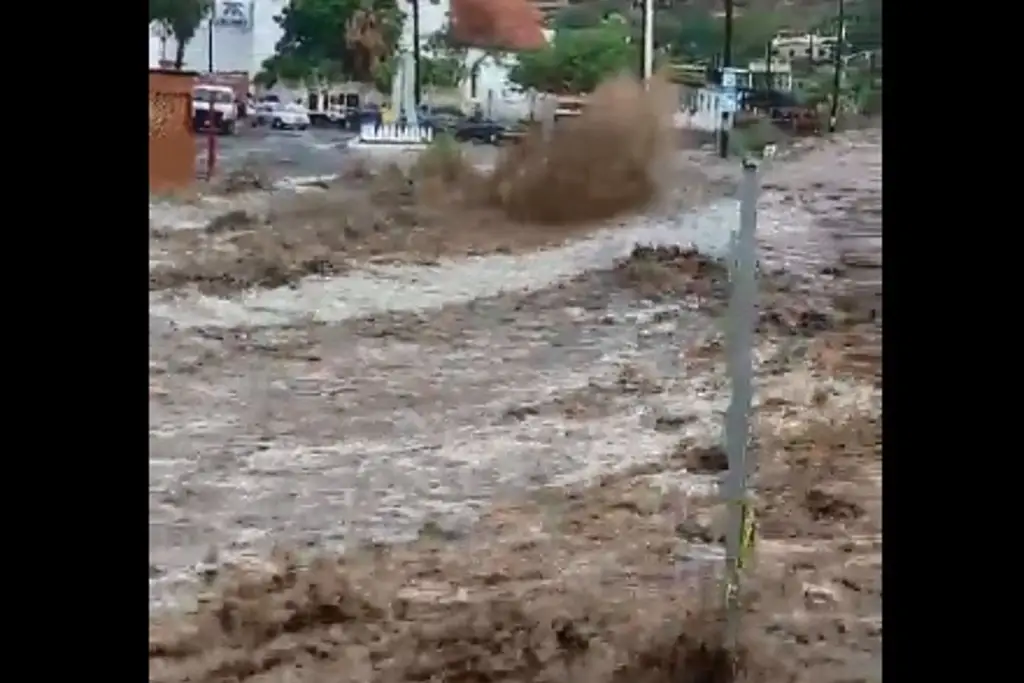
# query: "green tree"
{"type": "Point", "coordinates": [864, 24]}
{"type": "Point", "coordinates": [574, 17]}
{"type": "Point", "coordinates": [577, 60]}
{"type": "Point", "coordinates": [694, 34]}
{"type": "Point", "coordinates": [182, 17]}
{"type": "Point", "coordinates": [384, 74]}
{"type": "Point", "coordinates": [443, 60]}
{"type": "Point", "coordinates": [752, 33]}
{"type": "Point", "coordinates": [334, 38]}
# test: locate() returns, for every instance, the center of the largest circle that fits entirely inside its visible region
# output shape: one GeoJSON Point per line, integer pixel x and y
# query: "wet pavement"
{"type": "Point", "coordinates": [281, 154]}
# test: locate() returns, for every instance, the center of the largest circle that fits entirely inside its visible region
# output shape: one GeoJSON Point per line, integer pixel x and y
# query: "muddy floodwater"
{"type": "Point", "coordinates": [339, 410]}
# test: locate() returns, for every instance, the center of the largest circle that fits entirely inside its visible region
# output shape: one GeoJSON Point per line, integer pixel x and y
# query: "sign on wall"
{"type": "Point", "coordinates": [233, 13]}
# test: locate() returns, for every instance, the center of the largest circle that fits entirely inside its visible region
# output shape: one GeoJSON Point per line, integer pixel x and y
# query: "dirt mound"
{"type": "Point", "coordinates": [672, 272]}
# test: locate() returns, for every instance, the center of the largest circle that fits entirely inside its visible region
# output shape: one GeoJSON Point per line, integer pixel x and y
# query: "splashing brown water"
{"type": "Point", "coordinates": [391, 617]}
{"type": "Point", "coordinates": [610, 160]}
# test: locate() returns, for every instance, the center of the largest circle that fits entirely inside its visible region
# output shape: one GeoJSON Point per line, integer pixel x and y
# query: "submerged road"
{"type": "Point", "coordinates": [312, 152]}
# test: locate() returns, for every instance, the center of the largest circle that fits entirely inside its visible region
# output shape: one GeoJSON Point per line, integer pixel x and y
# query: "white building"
{"type": "Point", "coordinates": [487, 84]}
{"type": "Point", "coordinates": [244, 35]}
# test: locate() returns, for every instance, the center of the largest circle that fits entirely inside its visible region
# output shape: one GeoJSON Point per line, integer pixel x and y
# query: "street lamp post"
{"type": "Point", "coordinates": [211, 130]}
{"type": "Point", "coordinates": [416, 85]}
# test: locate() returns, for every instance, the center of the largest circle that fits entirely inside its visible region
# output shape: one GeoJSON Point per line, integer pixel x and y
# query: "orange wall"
{"type": "Point", "coordinates": [172, 147]}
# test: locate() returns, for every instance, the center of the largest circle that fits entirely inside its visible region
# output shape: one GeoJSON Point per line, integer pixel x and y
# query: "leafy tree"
{"type": "Point", "coordinates": [864, 24]}
{"type": "Point", "coordinates": [752, 33]}
{"type": "Point", "coordinates": [589, 15]}
{"type": "Point", "coordinates": [384, 74]}
{"type": "Point", "coordinates": [182, 17]}
{"type": "Point", "coordinates": [697, 35]}
{"type": "Point", "coordinates": [443, 60]}
{"type": "Point", "coordinates": [577, 60]}
{"type": "Point", "coordinates": [334, 38]}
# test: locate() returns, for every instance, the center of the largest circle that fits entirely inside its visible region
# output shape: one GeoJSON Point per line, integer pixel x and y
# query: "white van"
{"type": "Point", "coordinates": [221, 100]}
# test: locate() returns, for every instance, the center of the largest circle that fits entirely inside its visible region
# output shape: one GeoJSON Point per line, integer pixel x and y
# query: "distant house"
{"type": "Point", "coordinates": [810, 47]}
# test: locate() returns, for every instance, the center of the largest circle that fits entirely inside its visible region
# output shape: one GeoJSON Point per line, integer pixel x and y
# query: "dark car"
{"type": "Point", "coordinates": [479, 130]}
{"type": "Point", "coordinates": [358, 117]}
{"type": "Point", "coordinates": [441, 119]}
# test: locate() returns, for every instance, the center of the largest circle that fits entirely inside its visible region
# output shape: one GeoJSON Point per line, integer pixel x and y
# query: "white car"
{"type": "Point", "coordinates": [221, 100]}
{"type": "Point", "coordinates": [336, 114]}
{"type": "Point", "coordinates": [282, 116]}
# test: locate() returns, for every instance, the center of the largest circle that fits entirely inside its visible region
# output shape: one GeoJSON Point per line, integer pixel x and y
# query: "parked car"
{"type": "Point", "coordinates": [368, 114]}
{"type": "Point", "coordinates": [214, 105]}
{"type": "Point", "coordinates": [336, 115]}
{"type": "Point", "coordinates": [441, 118]}
{"type": "Point", "coordinates": [281, 116]}
{"type": "Point", "coordinates": [480, 130]}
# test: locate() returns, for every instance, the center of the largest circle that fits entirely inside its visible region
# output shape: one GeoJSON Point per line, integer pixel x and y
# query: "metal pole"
{"type": "Point", "coordinates": [837, 80]}
{"type": "Point", "coordinates": [723, 136]}
{"type": "Point", "coordinates": [417, 86]}
{"type": "Point", "coordinates": [211, 130]}
{"type": "Point", "coordinates": [741, 324]}
{"type": "Point", "coordinates": [648, 44]}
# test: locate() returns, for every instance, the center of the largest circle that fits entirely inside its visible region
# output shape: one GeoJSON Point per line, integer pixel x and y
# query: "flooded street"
{"type": "Point", "coordinates": [357, 408]}
{"type": "Point", "coordinates": [400, 399]}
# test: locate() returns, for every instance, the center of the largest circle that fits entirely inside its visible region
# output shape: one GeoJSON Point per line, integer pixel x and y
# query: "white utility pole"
{"type": "Point", "coordinates": [648, 46]}
{"type": "Point", "coordinates": [740, 336]}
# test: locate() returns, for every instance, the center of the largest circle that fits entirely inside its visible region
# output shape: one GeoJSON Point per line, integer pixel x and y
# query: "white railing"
{"type": "Point", "coordinates": [395, 134]}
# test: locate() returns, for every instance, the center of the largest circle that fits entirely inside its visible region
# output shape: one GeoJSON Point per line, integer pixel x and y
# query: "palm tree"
{"type": "Point", "coordinates": [365, 38]}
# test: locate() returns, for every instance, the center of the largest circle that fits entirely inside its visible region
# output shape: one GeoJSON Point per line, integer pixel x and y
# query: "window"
{"type": "Point", "coordinates": [232, 13]}
{"type": "Point", "coordinates": [206, 94]}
